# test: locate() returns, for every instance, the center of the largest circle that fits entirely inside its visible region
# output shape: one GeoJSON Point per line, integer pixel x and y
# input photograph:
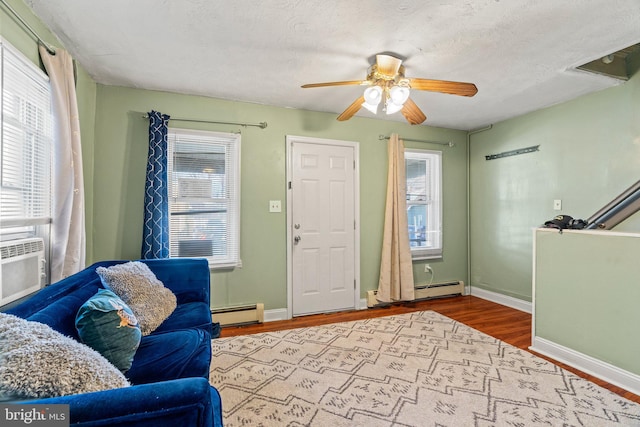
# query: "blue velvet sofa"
{"type": "Point", "coordinates": [170, 370]}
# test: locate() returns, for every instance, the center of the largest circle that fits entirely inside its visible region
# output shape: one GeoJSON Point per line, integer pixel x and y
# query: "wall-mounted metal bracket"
{"type": "Point", "coordinates": [513, 152]}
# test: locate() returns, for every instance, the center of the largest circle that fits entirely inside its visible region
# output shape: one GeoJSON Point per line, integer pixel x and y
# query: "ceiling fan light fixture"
{"type": "Point", "coordinates": [396, 98]}
{"type": "Point", "coordinates": [399, 95]}
{"type": "Point", "coordinates": [392, 107]}
{"type": "Point", "coordinates": [373, 95]}
{"type": "Point", "coordinates": [370, 107]}
{"type": "Point", "coordinates": [372, 98]}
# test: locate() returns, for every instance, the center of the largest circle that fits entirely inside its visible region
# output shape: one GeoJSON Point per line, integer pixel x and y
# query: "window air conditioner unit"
{"type": "Point", "coordinates": [22, 268]}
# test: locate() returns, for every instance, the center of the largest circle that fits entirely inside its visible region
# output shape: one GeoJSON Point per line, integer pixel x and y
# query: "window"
{"type": "Point", "coordinates": [26, 135]}
{"type": "Point", "coordinates": [424, 202]}
{"type": "Point", "coordinates": [204, 196]}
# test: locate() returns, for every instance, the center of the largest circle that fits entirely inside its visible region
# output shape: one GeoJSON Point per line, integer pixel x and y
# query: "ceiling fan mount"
{"type": "Point", "coordinates": [387, 82]}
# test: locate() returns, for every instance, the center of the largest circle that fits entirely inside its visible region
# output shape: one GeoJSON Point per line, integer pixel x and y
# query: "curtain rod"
{"type": "Point", "coordinates": [260, 125]}
{"type": "Point", "coordinates": [449, 143]}
{"type": "Point", "coordinates": [51, 50]}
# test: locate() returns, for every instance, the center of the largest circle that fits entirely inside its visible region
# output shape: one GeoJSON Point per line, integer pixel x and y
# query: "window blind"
{"type": "Point", "coordinates": [204, 193]}
{"type": "Point", "coordinates": [26, 140]}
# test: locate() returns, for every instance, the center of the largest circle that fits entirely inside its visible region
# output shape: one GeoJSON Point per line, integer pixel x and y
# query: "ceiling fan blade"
{"type": "Point", "coordinates": [443, 86]}
{"type": "Point", "coordinates": [351, 109]}
{"type": "Point", "coordinates": [388, 65]}
{"type": "Point", "coordinates": [345, 83]}
{"type": "Point", "coordinates": [413, 113]}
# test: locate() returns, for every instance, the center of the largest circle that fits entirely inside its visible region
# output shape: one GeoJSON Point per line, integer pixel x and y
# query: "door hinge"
{"type": "Point", "coordinates": [354, 283]}
{"type": "Point", "coordinates": [289, 185]}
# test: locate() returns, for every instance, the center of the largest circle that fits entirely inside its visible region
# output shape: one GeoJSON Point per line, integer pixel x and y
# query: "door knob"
{"type": "Point", "coordinates": [297, 239]}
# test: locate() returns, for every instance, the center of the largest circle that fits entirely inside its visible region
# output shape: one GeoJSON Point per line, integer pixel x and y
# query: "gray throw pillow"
{"type": "Point", "coordinates": [140, 289]}
{"type": "Point", "coordinates": [38, 362]}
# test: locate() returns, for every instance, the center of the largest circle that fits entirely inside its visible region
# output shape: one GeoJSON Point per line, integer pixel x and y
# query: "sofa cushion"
{"type": "Point", "coordinates": [187, 402]}
{"type": "Point", "coordinates": [106, 324]}
{"type": "Point", "coordinates": [59, 310]}
{"type": "Point", "coordinates": [36, 361]}
{"type": "Point", "coordinates": [189, 315]}
{"type": "Point", "coordinates": [136, 284]}
{"type": "Point", "coordinates": [170, 355]}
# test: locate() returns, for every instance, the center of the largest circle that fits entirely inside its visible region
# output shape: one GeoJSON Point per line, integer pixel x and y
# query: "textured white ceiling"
{"type": "Point", "coordinates": [519, 53]}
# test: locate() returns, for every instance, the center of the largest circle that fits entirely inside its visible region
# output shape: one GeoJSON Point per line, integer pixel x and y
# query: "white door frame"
{"type": "Point", "coordinates": [290, 139]}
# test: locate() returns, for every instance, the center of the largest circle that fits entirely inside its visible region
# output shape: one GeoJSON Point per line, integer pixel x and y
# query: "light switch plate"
{"type": "Point", "coordinates": [557, 205]}
{"type": "Point", "coordinates": [275, 206]}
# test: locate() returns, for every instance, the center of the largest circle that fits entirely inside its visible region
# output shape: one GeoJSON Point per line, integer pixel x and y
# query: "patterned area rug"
{"type": "Point", "coordinates": [418, 369]}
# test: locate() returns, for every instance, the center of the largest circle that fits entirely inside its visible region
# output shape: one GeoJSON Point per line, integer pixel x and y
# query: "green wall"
{"type": "Point", "coordinates": [589, 153]}
{"type": "Point", "coordinates": [120, 162]}
{"type": "Point", "coordinates": [86, 90]}
{"type": "Point", "coordinates": [589, 301]}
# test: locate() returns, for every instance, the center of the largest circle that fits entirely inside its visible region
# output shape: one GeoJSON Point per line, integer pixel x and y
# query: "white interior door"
{"type": "Point", "coordinates": [322, 210]}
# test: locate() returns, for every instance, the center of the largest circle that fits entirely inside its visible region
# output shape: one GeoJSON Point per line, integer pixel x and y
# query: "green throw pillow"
{"type": "Point", "coordinates": [106, 324]}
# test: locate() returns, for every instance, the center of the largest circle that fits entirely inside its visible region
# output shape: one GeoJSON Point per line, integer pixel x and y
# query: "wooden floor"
{"type": "Point", "coordinates": [507, 324]}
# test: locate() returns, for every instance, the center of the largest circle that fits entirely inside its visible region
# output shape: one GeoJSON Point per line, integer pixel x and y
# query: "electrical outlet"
{"type": "Point", "coordinates": [427, 268]}
{"type": "Point", "coordinates": [275, 206]}
{"type": "Point", "coordinates": [557, 205]}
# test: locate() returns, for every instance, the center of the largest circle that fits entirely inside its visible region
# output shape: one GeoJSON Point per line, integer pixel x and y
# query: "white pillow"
{"type": "Point", "coordinates": [37, 362]}
{"type": "Point", "coordinates": [148, 298]}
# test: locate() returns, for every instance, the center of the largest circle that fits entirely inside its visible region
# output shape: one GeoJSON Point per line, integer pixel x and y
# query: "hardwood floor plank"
{"type": "Point", "coordinates": [507, 324]}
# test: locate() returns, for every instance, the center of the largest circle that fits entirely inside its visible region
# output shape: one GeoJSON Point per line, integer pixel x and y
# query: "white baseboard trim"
{"type": "Point", "coordinates": [512, 302]}
{"type": "Point", "coordinates": [518, 304]}
{"type": "Point", "coordinates": [281, 313]}
{"type": "Point", "coordinates": [275, 314]}
{"type": "Point", "coordinates": [587, 364]}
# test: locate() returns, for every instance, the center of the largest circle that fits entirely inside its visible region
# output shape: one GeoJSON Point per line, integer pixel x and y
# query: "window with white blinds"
{"type": "Point", "coordinates": [424, 202]}
{"type": "Point", "coordinates": [27, 129]}
{"type": "Point", "coordinates": [204, 195]}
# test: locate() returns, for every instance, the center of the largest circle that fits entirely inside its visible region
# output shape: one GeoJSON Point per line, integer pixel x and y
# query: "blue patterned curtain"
{"type": "Point", "coordinates": [155, 237]}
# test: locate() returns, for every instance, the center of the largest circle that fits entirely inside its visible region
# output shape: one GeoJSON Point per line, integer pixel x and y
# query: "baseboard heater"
{"type": "Point", "coordinates": [423, 292]}
{"type": "Point", "coordinates": [239, 315]}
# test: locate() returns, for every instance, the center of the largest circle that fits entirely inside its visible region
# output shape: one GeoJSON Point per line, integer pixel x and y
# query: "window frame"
{"type": "Point", "coordinates": [434, 204]}
{"type": "Point", "coordinates": [232, 144]}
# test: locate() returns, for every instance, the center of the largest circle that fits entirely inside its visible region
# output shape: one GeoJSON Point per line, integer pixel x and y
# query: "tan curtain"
{"type": "Point", "coordinates": [396, 268]}
{"type": "Point", "coordinates": [68, 229]}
